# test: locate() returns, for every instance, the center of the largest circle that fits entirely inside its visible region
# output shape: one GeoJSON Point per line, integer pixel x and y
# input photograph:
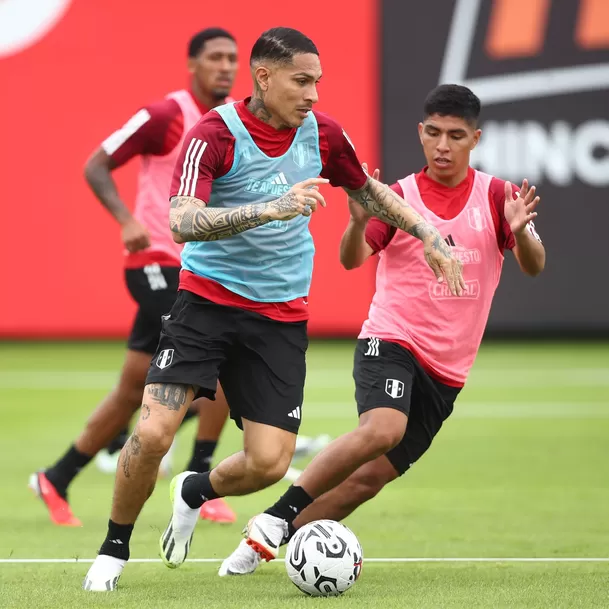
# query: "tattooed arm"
{"type": "Point", "coordinates": [191, 220]}
{"type": "Point", "coordinates": [380, 201]}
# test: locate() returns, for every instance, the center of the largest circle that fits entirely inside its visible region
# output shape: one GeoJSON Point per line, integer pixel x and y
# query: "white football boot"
{"type": "Point", "coordinates": [265, 534]}
{"type": "Point", "coordinates": [175, 540]}
{"type": "Point", "coordinates": [243, 561]}
{"type": "Point", "coordinates": [104, 573]}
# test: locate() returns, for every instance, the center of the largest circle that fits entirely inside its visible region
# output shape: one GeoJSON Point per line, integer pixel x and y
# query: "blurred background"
{"type": "Point", "coordinates": [73, 71]}
{"type": "Point", "coordinates": [528, 442]}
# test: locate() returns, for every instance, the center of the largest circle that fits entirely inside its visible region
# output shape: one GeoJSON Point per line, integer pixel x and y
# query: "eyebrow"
{"type": "Point", "coordinates": [305, 75]}
{"type": "Point", "coordinates": [459, 130]}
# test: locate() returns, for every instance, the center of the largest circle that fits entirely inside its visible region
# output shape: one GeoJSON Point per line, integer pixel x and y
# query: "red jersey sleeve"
{"type": "Point", "coordinates": [340, 164]}
{"type": "Point", "coordinates": [207, 154]}
{"type": "Point", "coordinates": [496, 193]}
{"type": "Point", "coordinates": [379, 233]}
{"type": "Point", "coordinates": [155, 129]}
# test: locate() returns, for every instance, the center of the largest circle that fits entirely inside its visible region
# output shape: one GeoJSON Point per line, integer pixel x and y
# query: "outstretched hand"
{"type": "Point", "coordinates": [520, 212]}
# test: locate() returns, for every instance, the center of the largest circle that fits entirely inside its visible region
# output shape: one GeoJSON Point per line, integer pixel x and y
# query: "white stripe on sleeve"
{"type": "Point", "coordinates": [111, 144]}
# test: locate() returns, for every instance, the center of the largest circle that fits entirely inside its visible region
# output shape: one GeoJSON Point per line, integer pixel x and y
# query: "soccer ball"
{"type": "Point", "coordinates": [324, 558]}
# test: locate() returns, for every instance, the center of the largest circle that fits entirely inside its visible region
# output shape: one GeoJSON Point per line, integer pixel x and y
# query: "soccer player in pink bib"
{"type": "Point", "coordinates": [417, 346]}
{"type": "Point", "coordinates": [156, 133]}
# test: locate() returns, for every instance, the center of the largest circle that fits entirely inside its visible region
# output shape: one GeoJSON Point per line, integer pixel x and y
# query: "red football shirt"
{"type": "Point", "coordinates": [154, 130]}
{"type": "Point", "coordinates": [340, 165]}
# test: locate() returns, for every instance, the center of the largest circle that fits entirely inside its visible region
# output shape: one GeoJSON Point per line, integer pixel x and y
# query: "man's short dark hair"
{"type": "Point", "coordinates": [280, 44]}
{"type": "Point", "coordinates": [197, 42]}
{"type": "Point", "coordinates": [453, 100]}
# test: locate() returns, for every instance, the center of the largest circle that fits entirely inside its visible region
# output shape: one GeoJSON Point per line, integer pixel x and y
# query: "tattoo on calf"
{"type": "Point", "coordinates": [132, 447]}
{"type": "Point", "coordinates": [145, 411]}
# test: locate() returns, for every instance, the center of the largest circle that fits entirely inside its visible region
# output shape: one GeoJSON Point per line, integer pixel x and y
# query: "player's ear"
{"type": "Point", "coordinates": [420, 129]}
{"type": "Point", "coordinates": [261, 75]}
{"type": "Point", "coordinates": [477, 134]}
{"type": "Point", "coordinates": [192, 65]}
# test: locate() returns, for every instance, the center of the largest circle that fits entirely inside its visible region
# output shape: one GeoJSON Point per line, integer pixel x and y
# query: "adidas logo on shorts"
{"type": "Point", "coordinates": [295, 414]}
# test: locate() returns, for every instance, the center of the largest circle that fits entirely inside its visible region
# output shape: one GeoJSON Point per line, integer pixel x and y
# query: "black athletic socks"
{"type": "Point", "coordinates": [290, 504]}
{"type": "Point", "coordinates": [197, 489]}
{"type": "Point", "coordinates": [117, 540]}
{"type": "Point", "coordinates": [66, 469]}
{"type": "Point", "coordinates": [202, 454]}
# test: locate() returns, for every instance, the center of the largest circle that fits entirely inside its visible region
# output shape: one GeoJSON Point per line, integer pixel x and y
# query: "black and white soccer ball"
{"type": "Point", "coordinates": [324, 558]}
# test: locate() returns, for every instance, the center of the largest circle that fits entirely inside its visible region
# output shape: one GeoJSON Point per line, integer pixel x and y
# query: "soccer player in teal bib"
{"type": "Point", "coordinates": [246, 182]}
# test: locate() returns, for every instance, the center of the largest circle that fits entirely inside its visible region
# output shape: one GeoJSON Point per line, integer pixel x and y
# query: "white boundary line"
{"type": "Point", "coordinates": [555, 559]}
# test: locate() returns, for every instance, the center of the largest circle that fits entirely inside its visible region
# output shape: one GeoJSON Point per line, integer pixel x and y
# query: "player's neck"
{"type": "Point", "coordinates": [448, 181]}
{"type": "Point", "coordinates": [206, 99]}
{"type": "Point", "coordinates": [260, 110]}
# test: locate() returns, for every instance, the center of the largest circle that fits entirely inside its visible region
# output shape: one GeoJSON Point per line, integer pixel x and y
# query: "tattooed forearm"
{"type": "Point", "coordinates": [191, 220]}
{"type": "Point", "coordinates": [132, 448]}
{"type": "Point", "coordinates": [145, 412]}
{"type": "Point", "coordinates": [380, 201]}
{"type": "Point", "coordinates": [170, 395]}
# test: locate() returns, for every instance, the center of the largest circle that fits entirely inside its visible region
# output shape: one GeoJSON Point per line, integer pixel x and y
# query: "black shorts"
{"type": "Point", "coordinates": [389, 376]}
{"type": "Point", "coordinates": [260, 362]}
{"type": "Point", "coordinates": [154, 288]}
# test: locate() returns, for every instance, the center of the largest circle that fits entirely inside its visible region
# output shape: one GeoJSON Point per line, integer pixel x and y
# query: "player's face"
{"type": "Point", "coordinates": [215, 67]}
{"type": "Point", "coordinates": [447, 143]}
{"type": "Point", "coordinates": [292, 89]}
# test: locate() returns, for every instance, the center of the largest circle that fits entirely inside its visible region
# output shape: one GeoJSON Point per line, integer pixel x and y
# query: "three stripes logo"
{"type": "Point", "coordinates": [190, 167]}
{"type": "Point", "coordinates": [295, 414]}
{"type": "Point", "coordinates": [373, 347]}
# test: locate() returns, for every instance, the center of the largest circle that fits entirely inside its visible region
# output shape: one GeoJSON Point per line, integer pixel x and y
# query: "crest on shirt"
{"type": "Point", "coordinates": [476, 221]}
{"type": "Point", "coordinates": [246, 153]}
{"type": "Point", "coordinates": [301, 153]}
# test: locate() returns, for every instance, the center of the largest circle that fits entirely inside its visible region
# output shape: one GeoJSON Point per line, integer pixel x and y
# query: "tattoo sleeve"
{"type": "Point", "coordinates": [380, 201]}
{"type": "Point", "coordinates": [191, 220]}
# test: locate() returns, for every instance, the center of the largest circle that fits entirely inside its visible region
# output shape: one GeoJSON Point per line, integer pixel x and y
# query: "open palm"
{"type": "Point", "coordinates": [520, 211]}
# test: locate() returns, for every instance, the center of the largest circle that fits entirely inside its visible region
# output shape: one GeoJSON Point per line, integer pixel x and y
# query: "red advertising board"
{"type": "Point", "coordinates": [69, 81]}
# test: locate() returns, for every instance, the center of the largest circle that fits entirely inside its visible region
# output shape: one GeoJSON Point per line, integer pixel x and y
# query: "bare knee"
{"type": "Point", "coordinates": [268, 466]}
{"type": "Point", "coordinates": [153, 438]}
{"type": "Point", "coordinates": [362, 486]}
{"type": "Point", "coordinates": [381, 431]}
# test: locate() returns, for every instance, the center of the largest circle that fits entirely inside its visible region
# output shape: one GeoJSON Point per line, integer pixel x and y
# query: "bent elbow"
{"type": "Point", "coordinates": [534, 270]}
{"type": "Point", "coordinates": [177, 237]}
{"type": "Point", "coordinates": [349, 263]}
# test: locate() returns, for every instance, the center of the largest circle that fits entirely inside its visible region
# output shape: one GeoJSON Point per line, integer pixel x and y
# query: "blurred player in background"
{"type": "Point", "coordinates": [152, 263]}
{"type": "Point", "coordinates": [419, 342]}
